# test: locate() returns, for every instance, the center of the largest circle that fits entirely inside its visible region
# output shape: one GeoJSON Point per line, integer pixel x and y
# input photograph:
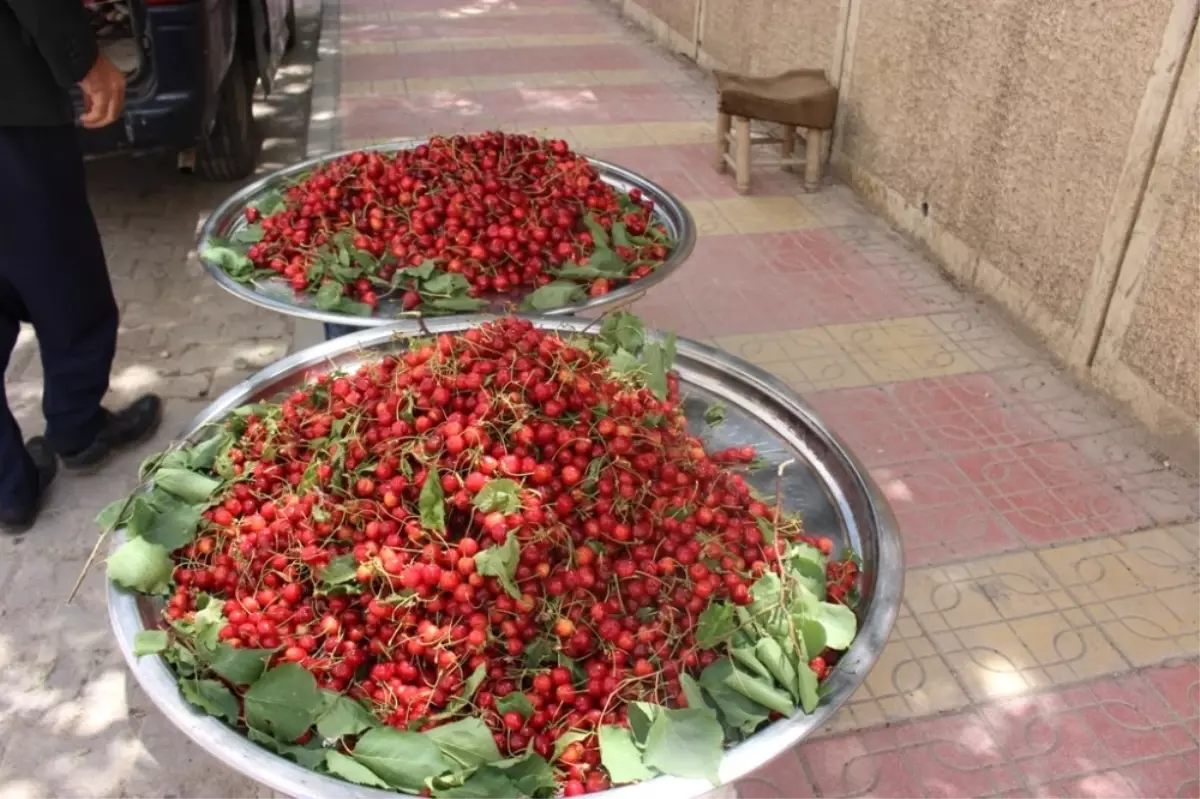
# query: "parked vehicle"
{"type": "Point", "coordinates": [192, 68]}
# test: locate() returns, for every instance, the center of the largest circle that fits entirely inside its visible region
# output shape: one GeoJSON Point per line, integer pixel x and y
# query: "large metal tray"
{"type": "Point", "coordinates": [275, 294]}
{"type": "Point", "coordinates": [825, 483]}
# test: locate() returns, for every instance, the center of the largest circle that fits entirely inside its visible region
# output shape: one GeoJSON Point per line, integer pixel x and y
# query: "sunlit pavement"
{"type": "Point", "coordinates": [1047, 641]}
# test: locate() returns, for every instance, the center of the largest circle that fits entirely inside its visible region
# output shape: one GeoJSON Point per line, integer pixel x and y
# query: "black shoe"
{"type": "Point", "coordinates": [15, 522]}
{"type": "Point", "coordinates": [126, 427]}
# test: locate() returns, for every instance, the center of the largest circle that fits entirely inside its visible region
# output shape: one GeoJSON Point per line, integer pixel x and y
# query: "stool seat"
{"type": "Point", "coordinates": [802, 98]}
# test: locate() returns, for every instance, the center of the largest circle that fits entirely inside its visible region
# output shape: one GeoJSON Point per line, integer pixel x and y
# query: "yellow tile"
{"type": "Point", "coordinates": [480, 43]}
{"type": "Point", "coordinates": [961, 604]}
{"type": "Point", "coordinates": [887, 336]}
{"type": "Point", "coordinates": [1019, 585]}
{"type": "Point", "coordinates": [1158, 560]}
{"type": "Point", "coordinates": [416, 85]}
{"type": "Point", "coordinates": [1091, 570]}
{"type": "Point", "coordinates": [994, 662]}
{"type": "Point", "coordinates": [907, 685]}
{"type": "Point", "coordinates": [550, 80]}
{"type": "Point", "coordinates": [1185, 603]}
{"type": "Point", "coordinates": [906, 629]}
{"type": "Point", "coordinates": [897, 366]}
{"type": "Point", "coordinates": [423, 45]}
{"type": "Point", "coordinates": [946, 642]}
{"type": "Point", "coordinates": [356, 88]}
{"type": "Point", "coordinates": [624, 77]}
{"type": "Point", "coordinates": [491, 83]}
{"type": "Point", "coordinates": [761, 348]}
{"type": "Point", "coordinates": [1054, 641]}
{"type": "Point", "coordinates": [1144, 629]}
{"type": "Point", "coordinates": [1060, 674]}
{"type": "Point", "coordinates": [1188, 536]}
{"type": "Point", "coordinates": [680, 132]}
{"type": "Point", "coordinates": [709, 221]}
{"type": "Point", "coordinates": [823, 374]}
{"type": "Point", "coordinates": [749, 215]}
{"type": "Point", "coordinates": [368, 48]}
{"type": "Point", "coordinates": [600, 136]}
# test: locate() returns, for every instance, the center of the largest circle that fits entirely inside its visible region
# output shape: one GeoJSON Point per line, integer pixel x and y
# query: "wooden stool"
{"type": "Point", "coordinates": [801, 98]}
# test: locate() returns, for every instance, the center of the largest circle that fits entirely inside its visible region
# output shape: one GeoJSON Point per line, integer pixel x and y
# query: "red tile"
{"type": "Point", "coordinates": [1100, 785]}
{"type": "Point", "coordinates": [1179, 686]}
{"type": "Point", "coordinates": [783, 777]}
{"type": "Point", "coordinates": [844, 767]}
{"type": "Point", "coordinates": [1060, 514]}
{"type": "Point", "coordinates": [514, 60]}
{"type": "Point", "coordinates": [963, 530]}
{"type": "Point", "coordinates": [1174, 776]}
{"type": "Point", "coordinates": [923, 483]}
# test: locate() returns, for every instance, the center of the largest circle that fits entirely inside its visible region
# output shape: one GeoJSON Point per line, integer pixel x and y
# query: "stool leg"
{"type": "Point", "coordinates": [812, 159]}
{"type": "Point", "coordinates": [787, 147]}
{"type": "Point", "coordinates": [724, 125]}
{"type": "Point", "coordinates": [742, 125]}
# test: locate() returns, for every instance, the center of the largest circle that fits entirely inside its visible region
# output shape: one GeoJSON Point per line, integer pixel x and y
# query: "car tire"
{"type": "Point", "coordinates": [230, 151]}
{"type": "Point", "coordinates": [289, 21]}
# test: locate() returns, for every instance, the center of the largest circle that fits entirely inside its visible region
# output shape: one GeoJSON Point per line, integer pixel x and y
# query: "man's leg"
{"type": "Point", "coordinates": [54, 260]}
{"type": "Point", "coordinates": [25, 470]}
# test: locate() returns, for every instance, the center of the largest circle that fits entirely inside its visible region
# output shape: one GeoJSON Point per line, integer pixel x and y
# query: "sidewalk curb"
{"type": "Point", "coordinates": [324, 129]}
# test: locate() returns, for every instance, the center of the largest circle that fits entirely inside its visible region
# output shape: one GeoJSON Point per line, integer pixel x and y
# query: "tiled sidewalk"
{"type": "Point", "coordinates": [1049, 632]}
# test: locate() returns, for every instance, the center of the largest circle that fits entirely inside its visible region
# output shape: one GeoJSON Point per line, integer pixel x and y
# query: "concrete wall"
{"type": "Point", "coordinates": [1044, 152]}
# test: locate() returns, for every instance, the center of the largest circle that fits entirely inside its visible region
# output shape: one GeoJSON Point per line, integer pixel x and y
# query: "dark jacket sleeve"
{"type": "Point", "coordinates": [62, 33]}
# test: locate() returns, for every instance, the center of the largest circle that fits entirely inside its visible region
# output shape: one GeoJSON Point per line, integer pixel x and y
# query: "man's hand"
{"type": "Point", "coordinates": [103, 94]}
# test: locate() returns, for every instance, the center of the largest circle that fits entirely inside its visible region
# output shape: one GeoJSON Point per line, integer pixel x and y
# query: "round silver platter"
{"type": "Point", "coordinates": [277, 295]}
{"type": "Point", "coordinates": [825, 483]}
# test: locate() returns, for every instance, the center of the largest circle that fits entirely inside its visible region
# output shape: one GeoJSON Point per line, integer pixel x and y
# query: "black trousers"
{"type": "Point", "coordinates": [52, 275]}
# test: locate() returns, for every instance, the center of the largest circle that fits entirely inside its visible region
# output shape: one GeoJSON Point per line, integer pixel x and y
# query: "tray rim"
{"type": "Point", "coordinates": [237, 752]}
{"type": "Point", "coordinates": [232, 206]}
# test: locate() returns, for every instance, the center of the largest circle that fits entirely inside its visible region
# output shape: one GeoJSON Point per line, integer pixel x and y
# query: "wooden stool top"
{"type": "Point", "coordinates": [801, 97]}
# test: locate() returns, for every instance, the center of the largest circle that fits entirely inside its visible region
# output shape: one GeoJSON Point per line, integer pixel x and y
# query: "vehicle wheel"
{"type": "Point", "coordinates": [289, 20]}
{"type": "Point", "coordinates": [230, 152]}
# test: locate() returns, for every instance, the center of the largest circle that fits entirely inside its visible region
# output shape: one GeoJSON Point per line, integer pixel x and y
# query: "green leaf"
{"type": "Point", "coordinates": [467, 741]}
{"type": "Point", "coordinates": [623, 331]}
{"type": "Point", "coordinates": [149, 642]}
{"type": "Point", "coordinates": [620, 236]}
{"type": "Point", "coordinates": [329, 296]}
{"type": "Point", "coordinates": [309, 755]}
{"type": "Point", "coordinates": [284, 702]}
{"type": "Point", "coordinates": [625, 363]}
{"type": "Point", "coordinates": [738, 711]}
{"type": "Point", "coordinates": [470, 686]}
{"type": "Point", "coordinates": [685, 743]}
{"type": "Point", "coordinates": [212, 697]}
{"type": "Point", "coordinates": [269, 202]}
{"type": "Point", "coordinates": [501, 495]}
{"type": "Point", "coordinates": [692, 691]}
{"type": "Point", "coordinates": [484, 783]}
{"type": "Point", "coordinates": [341, 569]}
{"type": "Point", "coordinates": [772, 655]}
{"type": "Point", "coordinates": [432, 503]}
{"type": "Point", "coordinates": [208, 623]}
{"type": "Point", "coordinates": [453, 304]}
{"type": "Point", "coordinates": [530, 773]}
{"type": "Point", "coordinates": [230, 261]}
{"type": "Point", "coordinates": [404, 760]}
{"type": "Point", "coordinates": [141, 566]}
{"type": "Point", "coordinates": [589, 272]}
{"type": "Point", "coordinates": [422, 271]}
{"type": "Point", "coordinates": [658, 359]}
{"type": "Point", "coordinates": [111, 517]}
{"type": "Point", "coordinates": [516, 702]}
{"type": "Point", "coordinates": [568, 738]}
{"type": "Point", "coordinates": [808, 688]}
{"type": "Point", "coordinates": [239, 666]}
{"type": "Point", "coordinates": [446, 284]}
{"type": "Point", "coordinates": [251, 234]}
{"type": "Point", "coordinates": [766, 595]}
{"type": "Point", "coordinates": [343, 716]}
{"type": "Point", "coordinates": [620, 755]}
{"type": "Point", "coordinates": [745, 657]}
{"type": "Point", "coordinates": [554, 295]}
{"type": "Point", "coordinates": [173, 524]}
{"type": "Point", "coordinates": [714, 415]}
{"type": "Point", "coordinates": [202, 456]}
{"type": "Point", "coordinates": [350, 770]}
{"type": "Point", "coordinates": [806, 565]}
{"type": "Point", "coordinates": [761, 690]}
{"type": "Point", "coordinates": [501, 562]}
{"type": "Point", "coordinates": [538, 651]}
{"type": "Point", "coordinates": [641, 717]}
{"type": "Point", "coordinates": [714, 625]}
{"type": "Point", "coordinates": [354, 308]}
{"type": "Point", "coordinates": [607, 263]}
{"type": "Point", "coordinates": [839, 623]}
{"type": "Point", "coordinates": [599, 234]}
{"type": "Point", "coordinates": [812, 636]}
{"type": "Point", "coordinates": [189, 486]}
